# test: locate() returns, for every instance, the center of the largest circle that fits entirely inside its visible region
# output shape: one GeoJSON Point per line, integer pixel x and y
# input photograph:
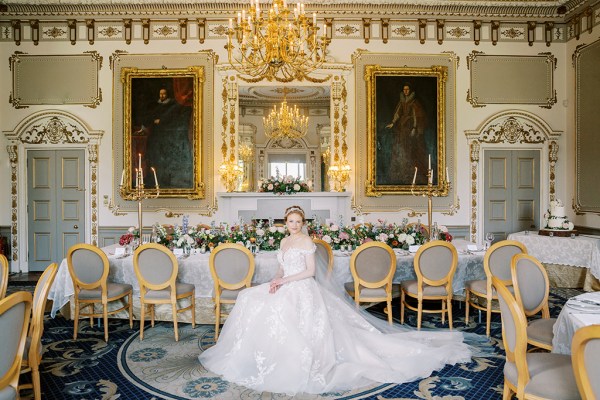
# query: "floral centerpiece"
{"type": "Point", "coordinates": [128, 237]}
{"type": "Point", "coordinates": [283, 185]}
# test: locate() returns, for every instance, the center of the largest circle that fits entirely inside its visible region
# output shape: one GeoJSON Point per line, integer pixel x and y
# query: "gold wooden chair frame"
{"type": "Point", "coordinates": [380, 287]}
{"type": "Point", "coordinates": [324, 251]}
{"type": "Point", "coordinates": [3, 275]}
{"type": "Point", "coordinates": [158, 285]}
{"type": "Point", "coordinates": [585, 362]}
{"type": "Point", "coordinates": [226, 292]}
{"type": "Point", "coordinates": [532, 295]}
{"type": "Point", "coordinates": [12, 355]}
{"type": "Point", "coordinates": [108, 291]}
{"type": "Point", "coordinates": [32, 356]}
{"type": "Point", "coordinates": [483, 289]}
{"type": "Point", "coordinates": [424, 282]}
{"type": "Point", "coordinates": [534, 376]}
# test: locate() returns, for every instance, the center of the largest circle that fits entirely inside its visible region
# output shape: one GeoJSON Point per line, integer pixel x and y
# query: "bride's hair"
{"type": "Point", "coordinates": [294, 210]}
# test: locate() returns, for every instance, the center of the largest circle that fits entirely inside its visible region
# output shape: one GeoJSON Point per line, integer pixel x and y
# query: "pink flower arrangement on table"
{"type": "Point", "coordinates": [284, 185]}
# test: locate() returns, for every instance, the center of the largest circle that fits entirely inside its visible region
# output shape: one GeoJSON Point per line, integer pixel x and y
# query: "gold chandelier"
{"type": "Point", "coordinates": [286, 121]}
{"type": "Point", "coordinates": [279, 44]}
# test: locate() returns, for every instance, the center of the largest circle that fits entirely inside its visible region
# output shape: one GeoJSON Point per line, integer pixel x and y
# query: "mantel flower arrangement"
{"type": "Point", "coordinates": [284, 185]}
{"type": "Point", "coordinates": [127, 238]}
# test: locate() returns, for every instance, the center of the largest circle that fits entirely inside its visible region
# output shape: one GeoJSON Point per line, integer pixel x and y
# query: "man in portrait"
{"type": "Point", "coordinates": [169, 145]}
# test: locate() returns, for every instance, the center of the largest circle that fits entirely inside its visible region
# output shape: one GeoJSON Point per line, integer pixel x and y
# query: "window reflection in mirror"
{"type": "Point", "coordinates": [305, 157]}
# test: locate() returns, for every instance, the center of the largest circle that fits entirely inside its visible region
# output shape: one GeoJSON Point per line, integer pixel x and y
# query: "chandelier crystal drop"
{"type": "Point", "coordinates": [287, 121]}
{"type": "Point", "coordinates": [280, 44]}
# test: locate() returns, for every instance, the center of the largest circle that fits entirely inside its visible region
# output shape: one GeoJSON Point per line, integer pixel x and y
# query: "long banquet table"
{"type": "Point", "coordinates": [195, 269]}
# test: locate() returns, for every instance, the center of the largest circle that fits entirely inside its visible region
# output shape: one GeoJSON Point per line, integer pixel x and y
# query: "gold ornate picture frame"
{"type": "Point", "coordinates": [162, 128]}
{"type": "Point", "coordinates": [405, 129]}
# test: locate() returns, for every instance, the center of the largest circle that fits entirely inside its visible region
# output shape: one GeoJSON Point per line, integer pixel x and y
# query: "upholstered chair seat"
{"type": "Point", "coordinates": [180, 288]}
{"type": "Point", "coordinates": [112, 290]}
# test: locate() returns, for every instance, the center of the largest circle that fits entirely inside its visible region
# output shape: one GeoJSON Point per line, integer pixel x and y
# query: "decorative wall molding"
{"type": "Point", "coordinates": [50, 129]}
{"type": "Point", "coordinates": [520, 129]}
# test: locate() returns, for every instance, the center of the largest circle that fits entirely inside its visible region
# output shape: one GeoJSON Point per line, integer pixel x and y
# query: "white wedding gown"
{"type": "Point", "coordinates": [306, 338]}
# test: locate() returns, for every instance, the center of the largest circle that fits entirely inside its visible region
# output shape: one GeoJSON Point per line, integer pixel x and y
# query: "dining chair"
{"type": "Point", "coordinates": [496, 262]}
{"type": "Point", "coordinates": [323, 255]}
{"type": "Point", "coordinates": [530, 375]}
{"type": "Point", "coordinates": [32, 355]}
{"type": "Point", "coordinates": [232, 269]}
{"type": "Point", "coordinates": [15, 311]}
{"type": "Point", "coordinates": [585, 352]}
{"type": "Point", "coordinates": [89, 268]}
{"type": "Point", "coordinates": [435, 263]}
{"type": "Point", "coordinates": [373, 265]}
{"type": "Point", "coordinates": [3, 275]}
{"type": "Point", "coordinates": [531, 288]}
{"type": "Point", "coordinates": [156, 269]}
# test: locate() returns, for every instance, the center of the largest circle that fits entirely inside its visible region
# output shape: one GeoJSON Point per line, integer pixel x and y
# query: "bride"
{"type": "Point", "coordinates": [296, 334]}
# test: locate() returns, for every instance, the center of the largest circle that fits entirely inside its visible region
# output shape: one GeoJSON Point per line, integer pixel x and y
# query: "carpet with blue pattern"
{"type": "Point", "coordinates": [160, 368]}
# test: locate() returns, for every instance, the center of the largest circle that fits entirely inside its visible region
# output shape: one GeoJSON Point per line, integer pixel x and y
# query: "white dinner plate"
{"type": "Point", "coordinates": [579, 306]}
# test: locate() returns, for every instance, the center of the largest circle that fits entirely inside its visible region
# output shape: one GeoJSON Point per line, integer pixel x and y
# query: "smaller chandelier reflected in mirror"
{"type": "Point", "coordinates": [279, 44]}
{"type": "Point", "coordinates": [285, 122]}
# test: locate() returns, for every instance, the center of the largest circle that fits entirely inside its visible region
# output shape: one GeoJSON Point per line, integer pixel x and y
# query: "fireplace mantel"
{"type": "Point", "coordinates": [254, 205]}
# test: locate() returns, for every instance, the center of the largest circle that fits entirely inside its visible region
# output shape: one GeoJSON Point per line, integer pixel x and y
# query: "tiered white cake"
{"type": "Point", "coordinates": [556, 217]}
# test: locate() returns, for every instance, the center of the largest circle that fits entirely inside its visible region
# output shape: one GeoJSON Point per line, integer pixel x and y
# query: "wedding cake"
{"type": "Point", "coordinates": [556, 217]}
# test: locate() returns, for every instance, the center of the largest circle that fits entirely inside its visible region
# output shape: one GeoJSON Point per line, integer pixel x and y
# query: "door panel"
{"type": "Point", "coordinates": [512, 191]}
{"type": "Point", "coordinates": [56, 218]}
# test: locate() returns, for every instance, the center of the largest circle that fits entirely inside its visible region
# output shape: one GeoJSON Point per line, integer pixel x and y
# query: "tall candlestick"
{"type": "Point", "coordinates": [430, 161]}
{"type": "Point", "coordinates": [155, 180]}
{"type": "Point", "coordinates": [415, 177]}
{"type": "Point", "coordinates": [123, 177]}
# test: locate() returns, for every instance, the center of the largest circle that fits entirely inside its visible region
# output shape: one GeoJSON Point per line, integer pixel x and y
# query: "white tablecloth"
{"type": "Point", "coordinates": [195, 269]}
{"type": "Point", "coordinates": [570, 319]}
{"type": "Point", "coordinates": [579, 252]}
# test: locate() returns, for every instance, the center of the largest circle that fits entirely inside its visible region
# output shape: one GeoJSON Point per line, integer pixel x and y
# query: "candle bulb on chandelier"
{"type": "Point", "coordinates": [122, 177]}
{"type": "Point", "coordinates": [430, 162]}
{"type": "Point", "coordinates": [137, 178]}
{"type": "Point", "coordinates": [140, 160]}
{"type": "Point", "coordinates": [447, 176]}
{"type": "Point", "coordinates": [239, 19]}
{"type": "Point", "coordinates": [230, 23]}
{"type": "Point", "coordinates": [315, 20]}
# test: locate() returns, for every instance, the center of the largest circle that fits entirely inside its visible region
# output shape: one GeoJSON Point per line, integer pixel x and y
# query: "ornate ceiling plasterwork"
{"type": "Point", "coordinates": [462, 8]}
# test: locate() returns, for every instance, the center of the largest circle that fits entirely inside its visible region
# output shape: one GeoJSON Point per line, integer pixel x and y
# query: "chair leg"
{"type": "Point", "coordinates": [488, 316]}
{"type": "Point", "coordinates": [419, 313]}
{"type": "Point", "coordinates": [389, 307]}
{"type": "Point", "coordinates": [467, 299]}
{"type": "Point", "coordinates": [152, 314]}
{"type": "Point", "coordinates": [76, 322]}
{"type": "Point", "coordinates": [217, 319]}
{"type": "Point", "coordinates": [402, 298]}
{"type": "Point", "coordinates": [105, 318]}
{"type": "Point", "coordinates": [93, 305]}
{"type": "Point", "coordinates": [506, 392]}
{"type": "Point", "coordinates": [193, 310]}
{"type": "Point", "coordinates": [175, 322]}
{"type": "Point", "coordinates": [35, 380]}
{"type": "Point", "coordinates": [130, 297]}
{"type": "Point", "coordinates": [450, 312]}
{"type": "Point", "coordinates": [443, 311]}
{"type": "Point", "coordinates": [142, 315]}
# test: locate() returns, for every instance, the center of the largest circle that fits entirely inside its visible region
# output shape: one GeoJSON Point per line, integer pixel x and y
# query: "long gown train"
{"type": "Point", "coordinates": [305, 338]}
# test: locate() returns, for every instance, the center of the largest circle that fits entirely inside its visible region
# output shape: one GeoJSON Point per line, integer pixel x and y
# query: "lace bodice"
{"type": "Point", "coordinates": [293, 260]}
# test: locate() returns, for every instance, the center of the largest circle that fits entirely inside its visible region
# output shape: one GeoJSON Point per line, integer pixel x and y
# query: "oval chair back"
{"type": "Point", "coordinates": [373, 266]}
{"type": "Point", "coordinates": [14, 322]}
{"type": "Point", "coordinates": [88, 267]}
{"type": "Point", "coordinates": [3, 275]}
{"type": "Point", "coordinates": [497, 259]}
{"type": "Point", "coordinates": [156, 269]}
{"type": "Point", "coordinates": [531, 284]}
{"type": "Point", "coordinates": [585, 352]}
{"type": "Point", "coordinates": [323, 255]}
{"type": "Point", "coordinates": [232, 268]}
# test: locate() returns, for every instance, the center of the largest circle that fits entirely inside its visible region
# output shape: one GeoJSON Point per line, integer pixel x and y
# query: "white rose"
{"type": "Point", "coordinates": [571, 226]}
{"type": "Point", "coordinates": [131, 229]}
{"type": "Point", "coordinates": [260, 232]}
{"type": "Point", "coordinates": [443, 228]}
{"type": "Point", "coordinates": [334, 228]}
{"type": "Point", "coordinates": [270, 186]}
{"type": "Point", "coordinates": [410, 240]}
{"type": "Point", "coordinates": [272, 229]}
{"type": "Point", "coordinates": [280, 229]}
{"type": "Point", "coordinates": [296, 187]}
{"type": "Point", "coordinates": [383, 237]}
{"type": "Point", "coordinates": [402, 237]}
{"type": "Point", "coordinates": [327, 238]}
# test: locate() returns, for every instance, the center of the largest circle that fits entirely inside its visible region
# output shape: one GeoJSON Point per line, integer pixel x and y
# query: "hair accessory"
{"type": "Point", "coordinates": [294, 209]}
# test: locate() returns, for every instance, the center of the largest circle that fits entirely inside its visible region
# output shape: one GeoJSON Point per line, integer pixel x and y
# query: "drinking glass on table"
{"type": "Point", "coordinates": [489, 239]}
